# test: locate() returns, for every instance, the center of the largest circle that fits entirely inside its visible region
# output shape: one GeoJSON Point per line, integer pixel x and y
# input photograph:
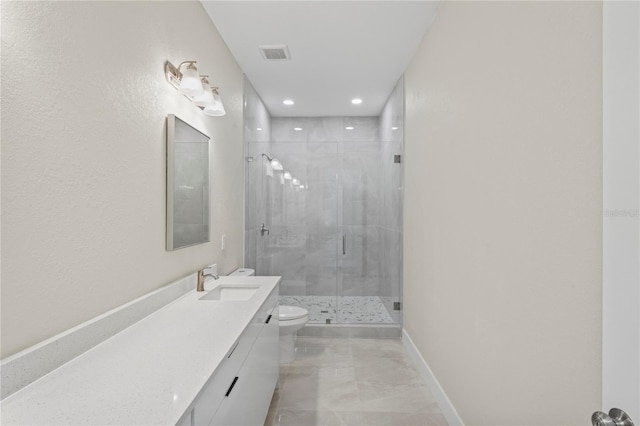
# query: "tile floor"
{"type": "Point", "coordinates": [341, 381]}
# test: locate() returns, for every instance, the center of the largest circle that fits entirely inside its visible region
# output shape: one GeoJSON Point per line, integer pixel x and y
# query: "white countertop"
{"type": "Point", "coordinates": [148, 373]}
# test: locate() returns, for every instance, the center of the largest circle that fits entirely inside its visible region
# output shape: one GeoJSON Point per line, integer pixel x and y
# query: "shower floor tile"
{"type": "Point", "coordinates": [339, 381]}
{"type": "Point", "coordinates": [342, 309]}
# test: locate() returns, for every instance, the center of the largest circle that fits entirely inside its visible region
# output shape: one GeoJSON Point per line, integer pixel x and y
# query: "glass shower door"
{"type": "Point", "coordinates": [301, 217]}
{"type": "Point", "coordinates": [321, 263]}
{"type": "Point", "coordinates": [359, 274]}
{"type": "Point", "coordinates": [334, 220]}
{"type": "Point", "coordinates": [370, 257]}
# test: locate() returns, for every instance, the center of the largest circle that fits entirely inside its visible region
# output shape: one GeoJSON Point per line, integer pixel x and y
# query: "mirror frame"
{"type": "Point", "coordinates": [171, 175]}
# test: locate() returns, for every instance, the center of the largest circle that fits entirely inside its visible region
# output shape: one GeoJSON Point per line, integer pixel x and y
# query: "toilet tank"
{"type": "Point", "coordinates": [243, 272]}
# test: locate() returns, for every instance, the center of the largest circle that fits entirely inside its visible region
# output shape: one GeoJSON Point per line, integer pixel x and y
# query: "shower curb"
{"type": "Point", "coordinates": [363, 331]}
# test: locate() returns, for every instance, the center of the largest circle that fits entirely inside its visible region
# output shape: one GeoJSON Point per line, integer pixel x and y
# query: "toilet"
{"type": "Point", "coordinates": [290, 319]}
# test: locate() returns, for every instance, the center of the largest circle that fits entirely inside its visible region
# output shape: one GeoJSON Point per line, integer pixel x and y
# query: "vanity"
{"type": "Point", "coordinates": [207, 358]}
{"type": "Point", "coordinates": [239, 393]}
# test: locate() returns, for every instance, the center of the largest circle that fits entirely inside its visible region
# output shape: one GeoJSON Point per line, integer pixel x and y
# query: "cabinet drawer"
{"type": "Point", "coordinates": [215, 389]}
{"type": "Point", "coordinates": [248, 403]}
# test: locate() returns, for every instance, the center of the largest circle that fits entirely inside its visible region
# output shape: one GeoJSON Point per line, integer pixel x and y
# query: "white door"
{"type": "Point", "coordinates": [621, 253]}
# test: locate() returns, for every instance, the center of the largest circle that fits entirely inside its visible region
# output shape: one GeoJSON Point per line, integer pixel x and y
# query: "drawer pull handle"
{"type": "Point", "coordinates": [231, 387]}
{"type": "Point", "coordinates": [268, 319]}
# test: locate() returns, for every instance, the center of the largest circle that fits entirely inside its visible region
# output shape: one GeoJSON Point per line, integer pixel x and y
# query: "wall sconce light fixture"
{"type": "Point", "coordinates": [285, 175]}
{"type": "Point", "coordinates": [275, 164]}
{"type": "Point", "coordinates": [195, 87]}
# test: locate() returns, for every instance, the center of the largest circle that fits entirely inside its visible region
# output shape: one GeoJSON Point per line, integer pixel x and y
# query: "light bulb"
{"type": "Point", "coordinates": [218, 101]}
{"type": "Point", "coordinates": [190, 83]}
{"type": "Point", "coordinates": [206, 97]}
{"type": "Point", "coordinates": [276, 165]}
{"type": "Point", "coordinates": [287, 175]}
{"type": "Point", "coordinates": [213, 110]}
{"type": "Point", "coordinates": [216, 109]}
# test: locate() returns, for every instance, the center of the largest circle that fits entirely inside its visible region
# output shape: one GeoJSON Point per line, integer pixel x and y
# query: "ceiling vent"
{"type": "Point", "coordinates": [275, 52]}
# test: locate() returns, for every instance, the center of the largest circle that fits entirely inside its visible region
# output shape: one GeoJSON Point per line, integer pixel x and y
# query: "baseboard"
{"type": "Point", "coordinates": [448, 410]}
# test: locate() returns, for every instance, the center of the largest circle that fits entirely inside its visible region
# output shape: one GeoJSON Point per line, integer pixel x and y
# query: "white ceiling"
{"type": "Point", "coordinates": [339, 50]}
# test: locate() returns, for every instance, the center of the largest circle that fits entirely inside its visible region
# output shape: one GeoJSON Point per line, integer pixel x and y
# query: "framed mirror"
{"type": "Point", "coordinates": [187, 185]}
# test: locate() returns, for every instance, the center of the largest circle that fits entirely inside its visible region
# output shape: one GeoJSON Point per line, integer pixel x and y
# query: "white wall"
{"type": "Point", "coordinates": [621, 248]}
{"type": "Point", "coordinates": [84, 102]}
{"type": "Point", "coordinates": [503, 220]}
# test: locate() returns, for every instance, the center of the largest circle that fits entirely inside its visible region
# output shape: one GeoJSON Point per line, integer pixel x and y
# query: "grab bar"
{"type": "Point", "coordinates": [344, 244]}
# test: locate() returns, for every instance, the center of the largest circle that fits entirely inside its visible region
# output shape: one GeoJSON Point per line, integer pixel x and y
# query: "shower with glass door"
{"type": "Point", "coordinates": [324, 211]}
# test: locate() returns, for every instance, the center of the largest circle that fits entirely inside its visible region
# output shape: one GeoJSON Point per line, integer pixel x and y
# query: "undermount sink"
{"type": "Point", "coordinates": [226, 292]}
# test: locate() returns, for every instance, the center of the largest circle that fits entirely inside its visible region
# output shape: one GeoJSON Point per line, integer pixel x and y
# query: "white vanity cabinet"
{"type": "Point", "coordinates": [174, 366]}
{"type": "Point", "coordinates": [247, 403]}
{"type": "Point", "coordinates": [240, 391]}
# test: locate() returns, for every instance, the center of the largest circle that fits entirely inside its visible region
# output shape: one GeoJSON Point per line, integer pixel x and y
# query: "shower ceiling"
{"type": "Point", "coordinates": [339, 50]}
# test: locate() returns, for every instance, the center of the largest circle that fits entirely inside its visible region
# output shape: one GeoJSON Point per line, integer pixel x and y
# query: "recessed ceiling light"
{"type": "Point", "coordinates": [288, 102]}
{"type": "Point", "coordinates": [356, 101]}
{"type": "Point", "coordinates": [297, 129]}
{"type": "Point", "coordinates": [394, 128]}
{"type": "Point", "coordinates": [349, 128]}
{"type": "Point", "coordinates": [259, 129]}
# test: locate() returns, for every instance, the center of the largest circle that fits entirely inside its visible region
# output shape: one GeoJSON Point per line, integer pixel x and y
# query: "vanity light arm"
{"type": "Point", "coordinates": [185, 62]}
{"type": "Point", "coordinates": [173, 73]}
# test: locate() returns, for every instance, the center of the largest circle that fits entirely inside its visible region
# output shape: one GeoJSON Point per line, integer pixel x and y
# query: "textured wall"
{"type": "Point", "coordinates": [503, 181]}
{"type": "Point", "coordinates": [84, 102]}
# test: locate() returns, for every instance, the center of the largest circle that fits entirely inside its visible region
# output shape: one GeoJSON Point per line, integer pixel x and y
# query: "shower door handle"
{"type": "Point", "coordinates": [263, 230]}
{"type": "Point", "coordinates": [344, 244]}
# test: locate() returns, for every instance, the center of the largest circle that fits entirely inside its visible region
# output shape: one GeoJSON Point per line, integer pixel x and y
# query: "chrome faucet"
{"type": "Point", "coordinates": [201, 276]}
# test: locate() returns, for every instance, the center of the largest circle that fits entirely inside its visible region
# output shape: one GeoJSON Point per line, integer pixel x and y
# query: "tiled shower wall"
{"type": "Point", "coordinates": [352, 189]}
{"type": "Point", "coordinates": [257, 136]}
{"type": "Point", "coordinates": [340, 171]}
